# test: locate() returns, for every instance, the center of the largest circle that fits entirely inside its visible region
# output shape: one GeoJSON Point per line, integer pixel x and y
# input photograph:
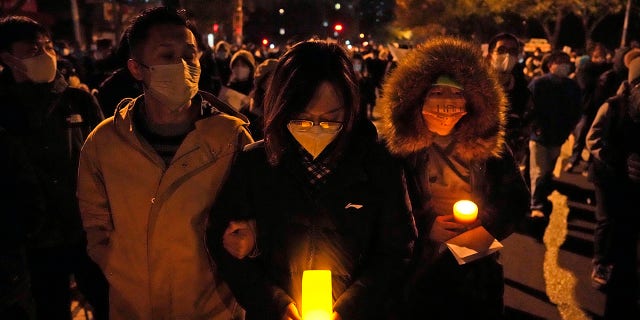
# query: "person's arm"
{"type": "Point", "coordinates": [595, 139]}
{"type": "Point", "coordinates": [94, 206]}
{"type": "Point", "coordinates": [506, 198]}
{"type": "Point", "coordinates": [246, 277]}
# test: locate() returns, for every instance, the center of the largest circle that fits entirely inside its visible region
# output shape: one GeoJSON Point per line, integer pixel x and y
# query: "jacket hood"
{"type": "Point", "coordinates": [479, 134]}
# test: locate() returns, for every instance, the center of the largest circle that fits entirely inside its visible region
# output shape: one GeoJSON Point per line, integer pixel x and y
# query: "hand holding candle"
{"type": "Point", "coordinates": [465, 211]}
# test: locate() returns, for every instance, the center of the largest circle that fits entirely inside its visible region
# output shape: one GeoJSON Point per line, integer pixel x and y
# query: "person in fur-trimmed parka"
{"type": "Point", "coordinates": [444, 114]}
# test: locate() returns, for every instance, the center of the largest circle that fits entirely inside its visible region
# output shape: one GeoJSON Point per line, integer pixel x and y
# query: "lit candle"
{"type": "Point", "coordinates": [317, 301]}
{"type": "Point", "coordinates": [465, 211]}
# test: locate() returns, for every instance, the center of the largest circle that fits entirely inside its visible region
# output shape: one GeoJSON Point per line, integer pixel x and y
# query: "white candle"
{"type": "Point", "coordinates": [465, 211]}
{"type": "Point", "coordinates": [317, 301]}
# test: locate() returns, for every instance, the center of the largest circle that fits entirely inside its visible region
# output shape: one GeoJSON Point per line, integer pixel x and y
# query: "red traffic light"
{"type": "Point", "coordinates": [216, 27]}
{"type": "Point", "coordinates": [337, 27]}
{"type": "Point", "coordinates": [265, 42]}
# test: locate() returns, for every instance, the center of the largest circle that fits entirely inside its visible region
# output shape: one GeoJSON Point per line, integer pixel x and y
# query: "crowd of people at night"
{"type": "Point", "coordinates": [163, 178]}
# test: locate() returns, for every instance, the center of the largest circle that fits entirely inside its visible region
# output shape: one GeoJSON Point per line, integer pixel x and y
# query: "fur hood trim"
{"type": "Point", "coordinates": [479, 135]}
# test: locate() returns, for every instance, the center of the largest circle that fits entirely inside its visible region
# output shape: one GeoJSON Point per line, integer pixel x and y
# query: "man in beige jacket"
{"type": "Point", "coordinates": [149, 175]}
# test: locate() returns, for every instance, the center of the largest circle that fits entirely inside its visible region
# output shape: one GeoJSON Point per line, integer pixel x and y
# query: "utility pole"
{"type": "Point", "coordinates": [75, 16]}
{"type": "Point", "coordinates": [623, 41]}
{"type": "Point", "coordinates": [237, 23]}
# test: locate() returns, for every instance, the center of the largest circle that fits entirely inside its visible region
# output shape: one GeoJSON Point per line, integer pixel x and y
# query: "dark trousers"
{"type": "Point", "coordinates": [51, 270]}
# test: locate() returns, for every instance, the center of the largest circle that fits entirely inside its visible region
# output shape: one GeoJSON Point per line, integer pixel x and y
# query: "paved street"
{"type": "Point", "coordinates": [548, 269]}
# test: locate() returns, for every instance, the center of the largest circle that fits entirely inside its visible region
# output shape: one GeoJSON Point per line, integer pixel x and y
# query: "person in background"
{"type": "Point", "coordinates": [243, 66]}
{"type": "Point", "coordinates": [587, 77]}
{"type": "Point", "coordinates": [222, 55]}
{"type": "Point", "coordinates": [444, 116]}
{"type": "Point", "coordinates": [556, 110]}
{"type": "Point", "coordinates": [318, 192]}
{"type": "Point", "coordinates": [255, 110]}
{"type": "Point", "coordinates": [120, 83]}
{"type": "Point", "coordinates": [504, 49]}
{"type": "Point", "coordinates": [50, 120]}
{"type": "Point", "coordinates": [613, 143]}
{"type": "Point", "coordinates": [365, 85]}
{"type": "Point", "coordinates": [148, 177]}
{"type": "Point", "coordinates": [533, 65]}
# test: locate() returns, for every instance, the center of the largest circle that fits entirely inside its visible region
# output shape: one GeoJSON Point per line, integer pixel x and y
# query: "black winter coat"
{"type": "Point", "coordinates": [357, 225]}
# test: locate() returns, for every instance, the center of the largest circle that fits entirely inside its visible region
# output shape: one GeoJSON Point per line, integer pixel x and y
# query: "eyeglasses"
{"type": "Point", "coordinates": [511, 51]}
{"type": "Point", "coordinates": [306, 125]}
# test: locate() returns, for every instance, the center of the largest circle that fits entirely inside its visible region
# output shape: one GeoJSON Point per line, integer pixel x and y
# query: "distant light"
{"type": "Point", "coordinates": [347, 42]}
{"type": "Point", "coordinates": [210, 41]}
{"type": "Point", "coordinates": [337, 6]}
{"type": "Point", "coordinates": [337, 27]}
{"type": "Point", "coordinates": [335, 34]}
{"type": "Point", "coordinates": [366, 43]}
{"type": "Point", "coordinates": [325, 23]}
{"type": "Point", "coordinates": [271, 46]}
{"type": "Point", "coordinates": [281, 31]}
{"type": "Point", "coordinates": [350, 47]}
{"type": "Point", "coordinates": [265, 42]}
{"type": "Point", "coordinates": [362, 36]}
{"type": "Point", "coordinates": [281, 11]}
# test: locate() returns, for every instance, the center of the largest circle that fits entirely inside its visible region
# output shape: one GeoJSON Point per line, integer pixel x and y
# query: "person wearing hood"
{"type": "Point", "coordinates": [50, 120]}
{"type": "Point", "coordinates": [613, 143]}
{"type": "Point", "coordinates": [243, 66]}
{"type": "Point", "coordinates": [444, 115]}
{"type": "Point", "coordinates": [149, 174]}
{"type": "Point", "coordinates": [318, 192]}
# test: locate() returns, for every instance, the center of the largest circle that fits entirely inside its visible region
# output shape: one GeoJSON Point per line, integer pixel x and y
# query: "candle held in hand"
{"type": "Point", "coordinates": [317, 296]}
{"type": "Point", "coordinates": [465, 211]}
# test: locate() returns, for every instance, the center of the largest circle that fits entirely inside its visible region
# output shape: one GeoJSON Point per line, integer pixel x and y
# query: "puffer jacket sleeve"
{"type": "Point", "coordinates": [507, 196]}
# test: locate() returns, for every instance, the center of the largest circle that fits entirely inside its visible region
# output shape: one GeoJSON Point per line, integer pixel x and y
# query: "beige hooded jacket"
{"type": "Point", "coordinates": [145, 221]}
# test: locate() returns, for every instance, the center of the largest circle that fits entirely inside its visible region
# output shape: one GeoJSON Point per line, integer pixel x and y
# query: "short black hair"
{"type": "Point", "coordinates": [19, 28]}
{"type": "Point", "coordinates": [558, 57]}
{"type": "Point", "coordinates": [143, 22]}
{"type": "Point", "coordinates": [503, 36]}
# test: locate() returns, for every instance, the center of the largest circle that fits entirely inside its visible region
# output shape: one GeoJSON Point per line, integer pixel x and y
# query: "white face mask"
{"type": "Point", "coordinates": [41, 68]}
{"type": "Point", "coordinates": [314, 140]}
{"type": "Point", "coordinates": [503, 62]}
{"type": "Point", "coordinates": [174, 84]}
{"type": "Point", "coordinates": [562, 70]}
{"type": "Point", "coordinates": [241, 73]}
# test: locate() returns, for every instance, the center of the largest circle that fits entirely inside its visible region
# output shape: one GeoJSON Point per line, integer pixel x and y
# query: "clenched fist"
{"type": "Point", "coordinates": [239, 238]}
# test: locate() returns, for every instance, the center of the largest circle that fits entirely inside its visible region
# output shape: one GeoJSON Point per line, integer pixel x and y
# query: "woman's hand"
{"type": "Point", "coordinates": [291, 313]}
{"type": "Point", "coordinates": [445, 228]}
{"type": "Point", "coordinates": [239, 238]}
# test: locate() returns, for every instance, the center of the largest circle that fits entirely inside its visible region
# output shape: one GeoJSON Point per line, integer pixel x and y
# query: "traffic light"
{"type": "Point", "coordinates": [265, 42]}
{"type": "Point", "coordinates": [215, 27]}
{"type": "Point", "coordinates": [337, 27]}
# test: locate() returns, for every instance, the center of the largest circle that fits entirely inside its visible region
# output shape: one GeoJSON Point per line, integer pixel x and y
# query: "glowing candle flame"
{"type": "Point", "coordinates": [465, 211]}
{"type": "Point", "coordinates": [317, 298]}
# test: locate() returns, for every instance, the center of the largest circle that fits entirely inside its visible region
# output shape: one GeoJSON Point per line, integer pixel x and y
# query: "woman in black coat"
{"type": "Point", "coordinates": [323, 193]}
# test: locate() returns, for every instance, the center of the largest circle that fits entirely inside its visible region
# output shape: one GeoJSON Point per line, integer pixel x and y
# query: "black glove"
{"type": "Point", "coordinates": [633, 167]}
